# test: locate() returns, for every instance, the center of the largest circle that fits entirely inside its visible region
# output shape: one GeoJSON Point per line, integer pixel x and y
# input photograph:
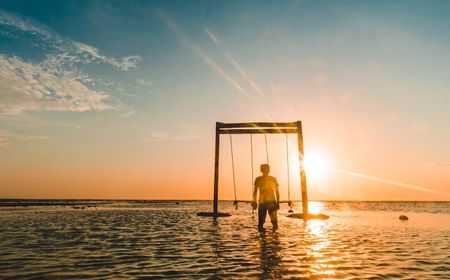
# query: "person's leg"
{"type": "Point", "coordinates": [262, 209]}
{"type": "Point", "coordinates": [273, 218]}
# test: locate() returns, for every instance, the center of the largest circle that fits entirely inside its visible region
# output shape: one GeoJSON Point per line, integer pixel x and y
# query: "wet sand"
{"type": "Point", "coordinates": [361, 240]}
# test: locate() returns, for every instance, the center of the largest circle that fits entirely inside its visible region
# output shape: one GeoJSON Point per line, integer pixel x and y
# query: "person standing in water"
{"type": "Point", "coordinates": [269, 197]}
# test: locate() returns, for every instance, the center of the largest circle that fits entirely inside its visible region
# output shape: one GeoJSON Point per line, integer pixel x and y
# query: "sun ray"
{"type": "Point", "coordinates": [389, 182]}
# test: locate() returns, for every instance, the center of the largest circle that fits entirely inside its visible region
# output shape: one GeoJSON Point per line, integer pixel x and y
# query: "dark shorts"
{"type": "Point", "coordinates": [265, 208]}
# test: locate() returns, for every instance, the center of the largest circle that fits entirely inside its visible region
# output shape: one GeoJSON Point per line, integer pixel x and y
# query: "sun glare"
{"type": "Point", "coordinates": [317, 164]}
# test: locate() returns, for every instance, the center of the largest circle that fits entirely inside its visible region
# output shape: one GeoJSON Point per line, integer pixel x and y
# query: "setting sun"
{"type": "Point", "coordinates": [317, 164]}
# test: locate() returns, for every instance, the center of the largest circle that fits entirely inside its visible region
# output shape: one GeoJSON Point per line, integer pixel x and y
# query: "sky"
{"type": "Point", "coordinates": [119, 99]}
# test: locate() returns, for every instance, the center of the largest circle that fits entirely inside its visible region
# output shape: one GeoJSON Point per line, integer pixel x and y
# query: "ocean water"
{"type": "Point", "coordinates": [162, 239]}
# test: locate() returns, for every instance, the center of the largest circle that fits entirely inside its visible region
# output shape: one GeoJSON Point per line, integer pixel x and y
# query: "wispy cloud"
{"type": "Point", "coordinates": [215, 39]}
{"type": "Point", "coordinates": [143, 82]}
{"type": "Point", "coordinates": [28, 87]}
{"type": "Point", "coordinates": [200, 52]}
{"type": "Point", "coordinates": [217, 68]}
{"type": "Point", "coordinates": [27, 25]}
{"type": "Point", "coordinates": [211, 35]}
{"type": "Point", "coordinates": [125, 64]}
{"type": "Point", "coordinates": [56, 83]}
{"type": "Point", "coordinates": [243, 73]}
{"type": "Point", "coordinates": [7, 136]}
{"type": "Point", "coordinates": [128, 114]}
{"type": "Point", "coordinates": [73, 51]}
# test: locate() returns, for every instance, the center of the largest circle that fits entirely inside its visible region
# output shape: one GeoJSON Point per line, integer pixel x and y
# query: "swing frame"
{"type": "Point", "coordinates": [258, 128]}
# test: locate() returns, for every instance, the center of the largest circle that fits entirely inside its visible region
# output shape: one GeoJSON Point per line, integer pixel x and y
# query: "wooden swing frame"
{"type": "Point", "coordinates": [258, 128]}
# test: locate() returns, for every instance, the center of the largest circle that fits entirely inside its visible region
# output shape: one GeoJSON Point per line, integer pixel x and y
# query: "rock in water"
{"type": "Point", "coordinates": [403, 218]}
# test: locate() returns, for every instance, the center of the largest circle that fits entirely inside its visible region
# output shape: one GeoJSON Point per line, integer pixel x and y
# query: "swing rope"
{"type": "Point", "coordinates": [235, 203]}
{"type": "Point", "coordinates": [267, 150]}
{"type": "Point", "coordinates": [288, 174]}
{"type": "Point", "coordinates": [287, 164]}
{"type": "Point", "coordinates": [251, 158]}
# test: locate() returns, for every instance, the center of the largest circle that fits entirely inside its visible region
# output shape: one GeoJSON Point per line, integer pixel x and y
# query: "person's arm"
{"type": "Point", "coordinates": [277, 193]}
{"type": "Point", "coordinates": [255, 193]}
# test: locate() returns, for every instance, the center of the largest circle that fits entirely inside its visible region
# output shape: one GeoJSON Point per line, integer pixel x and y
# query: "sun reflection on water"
{"type": "Point", "coordinates": [315, 207]}
{"type": "Point", "coordinates": [318, 244]}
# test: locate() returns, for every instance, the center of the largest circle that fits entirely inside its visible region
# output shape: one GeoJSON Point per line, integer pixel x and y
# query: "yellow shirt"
{"type": "Point", "coordinates": [267, 186]}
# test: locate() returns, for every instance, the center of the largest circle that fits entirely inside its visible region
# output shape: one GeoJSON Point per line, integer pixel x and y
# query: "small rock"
{"type": "Point", "coordinates": [403, 218]}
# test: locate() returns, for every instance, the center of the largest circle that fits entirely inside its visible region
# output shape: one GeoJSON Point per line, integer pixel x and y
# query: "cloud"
{"type": "Point", "coordinates": [34, 137]}
{"type": "Point", "coordinates": [6, 136]}
{"type": "Point", "coordinates": [26, 25]}
{"type": "Point", "coordinates": [93, 54]}
{"type": "Point", "coordinates": [158, 135]}
{"type": "Point", "coordinates": [200, 52]}
{"type": "Point", "coordinates": [58, 82]}
{"type": "Point", "coordinates": [234, 62]}
{"type": "Point", "coordinates": [28, 87]}
{"type": "Point", "coordinates": [128, 114]}
{"type": "Point", "coordinates": [143, 82]}
{"type": "Point", "coordinates": [442, 163]}
{"type": "Point", "coordinates": [68, 51]}
{"type": "Point", "coordinates": [211, 35]}
{"type": "Point", "coordinates": [217, 68]}
{"type": "Point", "coordinates": [244, 74]}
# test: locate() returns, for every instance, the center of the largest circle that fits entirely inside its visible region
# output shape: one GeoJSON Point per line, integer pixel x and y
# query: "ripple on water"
{"type": "Point", "coordinates": [161, 241]}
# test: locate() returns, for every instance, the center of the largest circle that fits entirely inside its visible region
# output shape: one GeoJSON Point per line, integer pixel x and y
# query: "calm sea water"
{"type": "Point", "coordinates": [120, 239]}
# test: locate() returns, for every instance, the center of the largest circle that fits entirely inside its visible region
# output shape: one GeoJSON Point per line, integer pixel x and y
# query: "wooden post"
{"type": "Point", "coordinates": [302, 169]}
{"type": "Point", "coordinates": [216, 170]}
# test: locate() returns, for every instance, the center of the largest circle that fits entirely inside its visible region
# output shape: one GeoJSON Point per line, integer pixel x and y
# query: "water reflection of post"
{"type": "Point", "coordinates": [215, 240]}
{"type": "Point", "coordinates": [269, 255]}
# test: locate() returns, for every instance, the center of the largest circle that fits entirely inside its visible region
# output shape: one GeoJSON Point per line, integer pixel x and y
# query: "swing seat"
{"type": "Point", "coordinates": [212, 214]}
{"type": "Point", "coordinates": [309, 216]}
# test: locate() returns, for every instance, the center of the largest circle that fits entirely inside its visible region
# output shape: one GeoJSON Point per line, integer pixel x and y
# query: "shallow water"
{"type": "Point", "coordinates": [162, 239]}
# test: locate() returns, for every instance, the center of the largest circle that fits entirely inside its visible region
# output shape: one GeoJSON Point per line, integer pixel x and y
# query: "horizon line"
{"type": "Point", "coordinates": [224, 200]}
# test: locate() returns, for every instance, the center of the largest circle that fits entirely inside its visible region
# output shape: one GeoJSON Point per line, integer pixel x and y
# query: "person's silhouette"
{"type": "Point", "coordinates": [269, 197]}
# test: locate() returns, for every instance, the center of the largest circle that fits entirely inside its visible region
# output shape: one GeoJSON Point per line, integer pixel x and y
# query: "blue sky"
{"type": "Point", "coordinates": [136, 86]}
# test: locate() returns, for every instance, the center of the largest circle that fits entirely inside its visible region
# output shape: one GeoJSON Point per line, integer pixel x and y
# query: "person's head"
{"type": "Point", "coordinates": [265, 168]}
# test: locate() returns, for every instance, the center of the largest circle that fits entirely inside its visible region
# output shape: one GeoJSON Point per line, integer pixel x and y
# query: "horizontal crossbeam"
{"type": "Point", "coordinates": [258, 124]}
{"type": "Point", "coordinates": [258, 131]}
